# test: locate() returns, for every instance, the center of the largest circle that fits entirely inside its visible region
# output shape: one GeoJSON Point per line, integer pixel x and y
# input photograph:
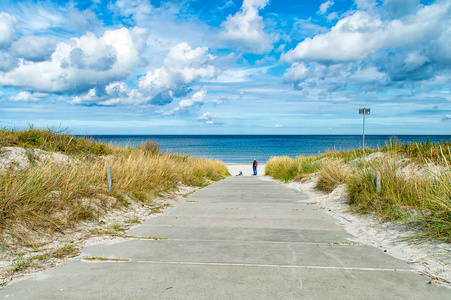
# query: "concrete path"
{"type": "Point", "coordinates": [241, 238]}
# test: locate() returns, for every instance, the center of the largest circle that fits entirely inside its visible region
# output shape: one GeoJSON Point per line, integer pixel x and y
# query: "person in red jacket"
{"type": "Point", "coordinates": [254, 166]}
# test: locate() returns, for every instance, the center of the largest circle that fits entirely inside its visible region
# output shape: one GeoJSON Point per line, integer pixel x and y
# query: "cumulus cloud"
{"type": "Point", "coordinates": [319, 81]}
{"type": "Point", "coordinates": [26, 97]}
{"type": "Point", "coordinates": [79, 64]}
{"type": "Point", "coordinates": [246, 28]}
{"type": "Point", "coordinates": [207, 118]}
{"type": "Point", "coordinates": [324, 7]}
{"type": "Point", "coordinates": [369, 53]}
{"type": "Point", "coordinates": [361, 34]}
{"type": "Point", "coordinates": [198, 99]}
{"type": "Point", "coordinates": [34, 48]}
{"type": "Point", "coordinates": [114, 94]}
{"type": "Point", "coordinates": [7, 29]}
{"type": "Point", "coordinates": [8, 61]}
{"type": "Point", "coordinates": [446, 118]}
{"type": "Point", "coordinates": [182, 67]}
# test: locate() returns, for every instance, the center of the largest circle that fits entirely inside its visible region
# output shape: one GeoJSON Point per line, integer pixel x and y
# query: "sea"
{"type": "Point", "coordinates": [245, 148]}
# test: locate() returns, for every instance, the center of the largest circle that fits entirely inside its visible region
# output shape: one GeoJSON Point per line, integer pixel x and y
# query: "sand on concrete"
{"type": "Point", "coordinates": [235, 168]}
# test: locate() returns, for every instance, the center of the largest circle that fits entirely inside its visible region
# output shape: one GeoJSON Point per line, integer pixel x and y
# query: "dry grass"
{"type": "Point", "coordinates": [52, 140]}
{"type": "Point", "coordinates": [286, 168]}
{"type": "Point", "coordinates": [332, 174]}
{"type": "Point", "coordinates": [423, 202]}
{"type": "Point", "coordinates": [51, 196]}
{"type": "Point", "coordinates": [421, 199]}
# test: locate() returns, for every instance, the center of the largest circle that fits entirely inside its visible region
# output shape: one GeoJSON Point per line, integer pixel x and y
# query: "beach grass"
{"type": "Point", "coordinates": [51, 196]}
{"type": "Point", "coordinates": [415, 182]}
{"type": "Point", "coordinates": [51, 139]}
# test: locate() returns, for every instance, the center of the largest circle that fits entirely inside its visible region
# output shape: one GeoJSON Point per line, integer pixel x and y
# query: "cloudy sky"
{"type": "Point", "coordinates": [226, 66]}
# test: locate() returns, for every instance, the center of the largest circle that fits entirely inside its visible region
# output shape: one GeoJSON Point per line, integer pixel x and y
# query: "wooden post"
{"type": "Point", "coordinates": [110, 184]}
{"type": "Point", "coordinates": [378, 181]}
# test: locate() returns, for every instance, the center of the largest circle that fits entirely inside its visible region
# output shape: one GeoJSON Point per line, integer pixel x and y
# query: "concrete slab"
{"type": "Point", "coordinates": [78, 280]}
{"type": "Point", "coordinates": [241, 238]}
{"type": "Point", "coordinates": [241, 234]}
{"type": "Point", "coordinates": [324, 223]}
{"type": "Point", "coordinates": [251, 253]}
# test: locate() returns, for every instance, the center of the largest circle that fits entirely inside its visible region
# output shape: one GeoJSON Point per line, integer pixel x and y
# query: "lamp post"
{"type": "Point", "coordinates": [364, 111]}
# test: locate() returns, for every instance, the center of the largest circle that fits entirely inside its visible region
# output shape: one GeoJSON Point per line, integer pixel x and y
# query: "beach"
{"type": "Point", "coordinates": [235, 168]}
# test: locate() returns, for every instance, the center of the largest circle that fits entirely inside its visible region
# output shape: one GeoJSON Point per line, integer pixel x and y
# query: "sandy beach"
{"type": "Point", "coordinates": [235, 168]}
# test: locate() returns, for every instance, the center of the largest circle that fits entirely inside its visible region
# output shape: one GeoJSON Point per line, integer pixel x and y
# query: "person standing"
{"type": "Point", "coordinates": [254, 166]}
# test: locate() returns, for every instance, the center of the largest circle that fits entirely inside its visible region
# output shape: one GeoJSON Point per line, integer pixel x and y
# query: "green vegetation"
{"type": "Point", "coordinates": [51, 196]}
{"type": "Point", "coordinates": [415, 189]}
{"type": "Point", "coordinates": [51, 140]}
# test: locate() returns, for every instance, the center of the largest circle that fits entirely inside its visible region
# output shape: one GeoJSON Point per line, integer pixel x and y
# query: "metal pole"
{"type": "Point", "coordinates": [110, 185]}
{"type": "Point", "coordinates": [363, 143]}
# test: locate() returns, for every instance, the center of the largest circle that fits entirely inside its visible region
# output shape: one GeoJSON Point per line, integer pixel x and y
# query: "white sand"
{"type": "Point", "coordinates": [234, 169]}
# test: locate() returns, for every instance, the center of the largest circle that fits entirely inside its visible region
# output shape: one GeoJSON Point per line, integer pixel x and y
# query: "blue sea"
{"type": "Point", "coordinates": [244, 148]}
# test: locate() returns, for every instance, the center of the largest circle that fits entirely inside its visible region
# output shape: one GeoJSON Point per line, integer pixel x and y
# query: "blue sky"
{"type": "Point", "coordinates": [226, 66]}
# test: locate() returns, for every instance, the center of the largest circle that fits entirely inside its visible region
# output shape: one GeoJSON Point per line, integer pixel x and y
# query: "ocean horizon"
{"type": "Point", "coordinates": [245, 148]}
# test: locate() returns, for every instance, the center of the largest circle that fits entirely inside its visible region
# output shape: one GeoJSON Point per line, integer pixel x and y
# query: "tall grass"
{"type": "Point", "coordinates": [421, 199]}
{"type": "Point", "coordinates": [51, 196]}
{"type": "Point", "coordinates": [52, 140]}
{"type": "Point", "coordinates": [332, 174]}
{"type": "Point", "coordinates": [420, 151]}
{"type": "Point", "coordinates": [286, 168]}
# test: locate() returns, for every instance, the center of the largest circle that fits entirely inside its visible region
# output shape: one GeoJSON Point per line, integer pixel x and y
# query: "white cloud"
{"type": "Point", "coordinates": [296, 73]}
{"type": "Point", "coordinates": [138, 10]}
{"type": "Point", "coordinates": [7, 29]}
{"type": "Point", "coordinates": [182, 67]}
{"type": "Point", "coordinates": [446, 118]}
{"type": "Point", "coordinates": [366, 5]}
{"type": "Point", "coordinates": [34, 48]}
{"type": "Point", "coordinates": [8, 61]}
{"type": "Point", "coordinates": [79, 64]}
{"type": "Point", "coordinates": [414, 61]}
{"type": "Point", "coordinates": [370, 74]}
{"type": "Point", "coordinates": [23, 97]}
{"type": "Point", "coordinates": [278, 126]}
{"type": "Point", "coordinates": [324, 7]}
{"type": "Point", "coordinates": [198, 98]}
{"type": "Point", "coordinates": [361, 34]}
{"type": "Point", "coordinates": [115, 93]}
{"type": "Point", "coordinates": [88, 98]}
{"type": "Point", "coordinates": [207, 118]}
{"type": "Point", "coordinates": [241, 74]}
{"type": "Point", "coordinates": [246, 28]}
{"type": "Point", "coordinates": [332, 16]}
{"type": "Point", "coordinates": [321, 81]}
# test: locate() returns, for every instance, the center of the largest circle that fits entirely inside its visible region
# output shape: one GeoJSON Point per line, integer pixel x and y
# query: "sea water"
{"type": "Point", "coordinates": [245, 148]}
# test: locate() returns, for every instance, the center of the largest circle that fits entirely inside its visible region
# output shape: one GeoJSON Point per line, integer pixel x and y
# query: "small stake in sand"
{"type": "Point", "coordinates": [110, 185]}
{"type": "Point", "coordinates": [378, 181]}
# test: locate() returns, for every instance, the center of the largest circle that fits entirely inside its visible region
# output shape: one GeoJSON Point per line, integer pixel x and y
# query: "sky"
{"type": "Point", "coordinates": [226, 66]}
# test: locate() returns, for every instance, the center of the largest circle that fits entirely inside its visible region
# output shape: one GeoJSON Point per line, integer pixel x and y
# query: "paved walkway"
{"type": "Point", "coordinates": [241, 238]}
